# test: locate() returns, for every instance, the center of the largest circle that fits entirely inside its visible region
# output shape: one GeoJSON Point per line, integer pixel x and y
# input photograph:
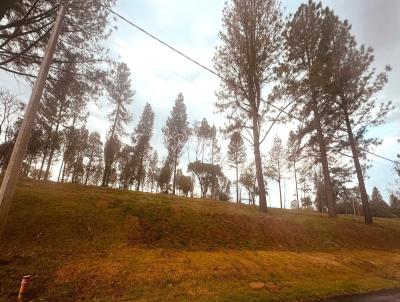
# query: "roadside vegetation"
{"type": "Point", "coordinates": [101, 244]}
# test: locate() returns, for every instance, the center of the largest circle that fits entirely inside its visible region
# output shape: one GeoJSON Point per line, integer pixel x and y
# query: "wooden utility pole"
{"type": "Point", "coordinates": [14, 167]}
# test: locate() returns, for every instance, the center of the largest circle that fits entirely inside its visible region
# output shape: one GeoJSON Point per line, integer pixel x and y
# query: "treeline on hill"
{"type": "Point", "coordinates": [323, 80]}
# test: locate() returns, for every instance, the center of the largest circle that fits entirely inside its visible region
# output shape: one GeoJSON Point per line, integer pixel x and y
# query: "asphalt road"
{"type": "Point", "coordinates": [385, 296]}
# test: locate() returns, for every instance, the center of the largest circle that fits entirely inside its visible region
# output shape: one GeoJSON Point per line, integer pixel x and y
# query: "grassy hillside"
{"type": "Point", "coordinates": [99, 244]}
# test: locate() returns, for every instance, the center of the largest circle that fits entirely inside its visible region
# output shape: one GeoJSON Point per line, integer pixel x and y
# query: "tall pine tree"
{"type": "Point", "coordinates": [307, 39]}
{"type": "Point", "coordinates": [176, 132]}
{"type": "Point", "coordinates": [251, 45]}
{"type": "Point", "coordinates": [293, 154]}
{"type": "Point", "coordinates": [93, 154]}
{"type": "Point", "coordinates": [379, 208]}
{"type": "Point", "coordinates": [354, 85]}
{"type": "Point", "coordinates": [141, 140]}
{"type": "Point", "coordinates": [276, 163]}
{"type": "Point", "coordinates": [120, 93]}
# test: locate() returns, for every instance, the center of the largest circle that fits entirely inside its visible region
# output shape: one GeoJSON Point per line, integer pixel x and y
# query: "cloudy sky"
{"type": "Point", "coordinates": [158, 74]}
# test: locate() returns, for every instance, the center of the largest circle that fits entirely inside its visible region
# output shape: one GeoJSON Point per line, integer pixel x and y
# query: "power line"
{"type": "Point", "coordinates": [160, 41]}
{"type": "Point", "coordinates": [215, 73]}
{"type": "Point", "coordinates": [187, 57]}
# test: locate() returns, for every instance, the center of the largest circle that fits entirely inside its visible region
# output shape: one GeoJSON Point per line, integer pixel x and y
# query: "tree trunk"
{"type": "Point", "coordinates": [74, 176]}
{"type": "Point", "coordinates": [330, 197]}
{"type": "Point", "coordinates": [280, 192]}
{"type": "Point", "coordinates": [202, 153]}
{"type": "Point", "coordinates": [354, 208]}
{"type": "Point", "coordinates": [279, 183]}
{"type": "Point", "coordinates": [257, 158]}
{"type": "Point", "coordinates": [360, 177]}
{"type": "Point", "coordinates": [104, 182]}
{"type": "Point", "coordinates": [63, 173]}
{"type": "Point", "coordinates": [88, 167]}
{"type": "Point", "coordinates": [174, 180]}
{"type": "Point", "coordinates": [140, 170]}
{"type": "Point", "coordinates": [61, 169]}
{"type": "Point", "coordinates": [106, 173]}
{"type": "Point", "coordinates": [107, 168]}
{"type": "Point", "coordinates": [237, 183]}
{"type": "Point", "coordinates": [295, 180]}
{"type": "Point", "coordinates": [127, 178]}
{"type": "Point", "coordinates": [114, 126]}
{"type": "Point", "coordinates": [284, 194]}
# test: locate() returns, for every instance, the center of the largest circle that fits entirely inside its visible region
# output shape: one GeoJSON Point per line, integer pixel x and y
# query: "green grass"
{"type": "Point", "coordinates": [96, 244]}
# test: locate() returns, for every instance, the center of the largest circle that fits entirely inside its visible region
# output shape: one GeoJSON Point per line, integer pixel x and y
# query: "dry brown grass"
{"type": "Point", "coordinates": [95, 244]}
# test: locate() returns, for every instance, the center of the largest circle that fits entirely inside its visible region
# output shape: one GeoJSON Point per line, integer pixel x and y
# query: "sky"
{"type": "Point", "coordinates": [158, 74]}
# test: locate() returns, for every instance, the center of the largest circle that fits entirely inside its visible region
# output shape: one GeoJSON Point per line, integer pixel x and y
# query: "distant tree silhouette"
{"type": "Point", "coordinates": [10, 110]}
{"type": "Point", "coordinates": [248, 179]}
{"type": "Point", "coordinates": [164, 177]}
{"type": "Point", "coordinates": [275, 164]}
{"type": "Point", "coordinates": [236, 156]}
{"type": "Point", "coordinates": [207, 175]}
{"type": "Point", "coordinates": [395, 204]}
{"type": "Point", "coordinates": [141, 140]}
{"type": "Point", "coordinates": [57, 108]}
{"type": "Point", "coordinates": [293, 153]}
{"type": "Point", "coordinates": [379, 208]}
{"type": "Point", "coordinates": [153, 172]}
{"type": "Point", "coordinates": [74, 164]}
{"type": "Point", "coordinates": [202, 133]}
{"type": "Point", "coordinates": [306, 203]}
{"type": "Point", "coordinates": [184, 183]}
{"type": "Point", "coordinates": [111, 151]}
{"type": "Point", "coordinates": [94, 155]}
{"type": "Point", "coordinates": [126, 166]}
